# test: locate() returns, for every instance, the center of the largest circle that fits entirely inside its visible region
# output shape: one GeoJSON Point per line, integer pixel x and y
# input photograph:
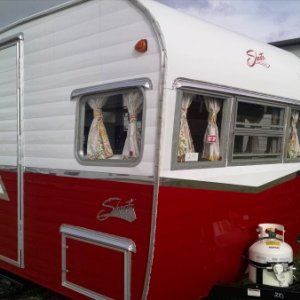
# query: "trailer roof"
{"type": "Point", "coordinates": [201, 51]}
{"type": "Point", "coordinates": [198, 50]}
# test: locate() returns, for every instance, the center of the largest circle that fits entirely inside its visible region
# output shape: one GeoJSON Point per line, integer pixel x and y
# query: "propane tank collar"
{"type": "Point", "coordinates": [268, 264]}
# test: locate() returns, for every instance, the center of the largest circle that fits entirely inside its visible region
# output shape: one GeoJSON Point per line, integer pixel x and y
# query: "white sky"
{"type": "Point", "coordinates": [265, 20]}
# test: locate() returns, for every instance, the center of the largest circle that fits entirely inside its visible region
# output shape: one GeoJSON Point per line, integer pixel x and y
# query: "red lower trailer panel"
{"type": "Point", "coordinates": [203, 236]}
{"type": "Point", "coordinates": [117, 212]}
{"type": "Point", "coordinates": [88, 238]}
{"type": "Point", "coordinates": [9, 217]}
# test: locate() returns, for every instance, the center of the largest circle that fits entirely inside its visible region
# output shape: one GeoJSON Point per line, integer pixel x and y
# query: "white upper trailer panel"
{"type": "Point", "coordinates": [209, 57]}
{"type": "Point", "coordinates": [91, 43]}
{"type": "Point", "coordinates": [73, 47]}
{"type": "Point", "coordinates": [201, 51]}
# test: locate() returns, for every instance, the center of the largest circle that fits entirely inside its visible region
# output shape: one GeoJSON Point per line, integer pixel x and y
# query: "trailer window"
{"type": "Point", "coordinates": [199, 135]}
{"type": "Point", "coordinates": [258, 133]}
{"type": "Point", "coordinates": [110, 126]}
{"type": "Point", "coordinates": [293, 145]}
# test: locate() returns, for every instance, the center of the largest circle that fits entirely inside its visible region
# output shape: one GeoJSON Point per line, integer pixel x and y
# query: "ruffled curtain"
{"type": "Point", "coordinates": [185, 144]}
{"type": "Point", "coordinates": [293, 143]}
{"type": "Point", "coordinates": [134, 103]}
{"type": "Point", "coordinates": [211, 141]}
{"type": "Point", "coordinates": [98, 145]}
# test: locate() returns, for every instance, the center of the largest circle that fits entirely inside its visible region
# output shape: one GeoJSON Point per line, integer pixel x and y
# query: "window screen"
{"type": "Point", "coordinates": [259, 130]}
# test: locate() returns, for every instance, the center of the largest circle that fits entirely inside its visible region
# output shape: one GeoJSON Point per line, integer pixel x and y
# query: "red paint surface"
{"type": "Point", "coordinates": [99, 263]}
{"type": "Point", "coordinates": [8, 217]}
{"type": "Point", "coordinates": [51, 201]}
{"type": "Point", "coordinates": [203, 236]}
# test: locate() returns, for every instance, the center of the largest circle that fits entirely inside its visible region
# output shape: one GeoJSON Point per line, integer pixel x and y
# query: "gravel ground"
{"type": "Point", "coordinates": [13, 288]}
{"type": "Point", "coordinates": [36, 293]}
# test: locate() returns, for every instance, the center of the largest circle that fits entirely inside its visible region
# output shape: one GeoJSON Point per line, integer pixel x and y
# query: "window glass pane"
{"type": "Point", "coordinates": [107, 121]}
{"type": "Point", "coordinates": [256, 147]}
{"type": "Point", "coordinates": [293, 147]}
{"type": "Point", "coordinates": [250, 115]}
{"type": "Point", "coordinates": [200, 128]}
{"type": "Point", "coordinates": [259, 131]}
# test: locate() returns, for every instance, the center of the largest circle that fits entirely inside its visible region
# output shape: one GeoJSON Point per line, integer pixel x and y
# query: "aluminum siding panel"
{"type": "Point", "coordinates": [86, 45]}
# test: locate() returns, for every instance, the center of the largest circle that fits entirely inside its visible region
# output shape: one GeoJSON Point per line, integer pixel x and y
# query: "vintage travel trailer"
{"type": "Point", "coordinates": [139, 149]}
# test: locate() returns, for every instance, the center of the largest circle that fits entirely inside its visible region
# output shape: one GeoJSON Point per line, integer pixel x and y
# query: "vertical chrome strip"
{"type": "Point", "coordinates": [17, 41]}
{"type": "Point", "coordinates": [63, 259]}
{"type": "Point", "coordinates": [161, 83]}
{"type": "Point", "coordinates": [20, 159]}
{"type": "Point", "coordinates": [127, 275]}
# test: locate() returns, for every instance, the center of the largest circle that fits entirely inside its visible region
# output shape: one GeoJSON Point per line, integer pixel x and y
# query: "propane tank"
{"type": "Point", "coordinates": [270, 258]}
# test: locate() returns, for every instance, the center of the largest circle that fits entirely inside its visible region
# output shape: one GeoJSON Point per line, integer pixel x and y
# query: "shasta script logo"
{"type": "Point", "coordinates": [255, 58]}
{"type": "Point", "coordinates": [116, 207]}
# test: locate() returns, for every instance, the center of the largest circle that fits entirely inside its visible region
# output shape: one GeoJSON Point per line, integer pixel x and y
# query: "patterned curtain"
{"type": "Point", "coordinates": [293, 143]}
{"type": "Point", "coordinates": [98, 145]}
{"type": "Point", "coordinates": [211, 142]}
{"type": "Point", "coordinates": [185, 144]}
{"type": "Point", "coordinates": [134, 103]}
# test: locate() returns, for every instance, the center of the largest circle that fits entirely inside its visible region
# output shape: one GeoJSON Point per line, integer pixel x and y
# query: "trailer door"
{"type": "Point", "coordinates": [11, 169]}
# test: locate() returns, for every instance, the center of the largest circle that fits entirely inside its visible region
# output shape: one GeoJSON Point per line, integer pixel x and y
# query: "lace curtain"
{"type": "Point", "coordinates": [293, 143]}
{"type": "Point", "coordinates": [134, 103]}
{"type": "Point", "coordinates": [185, 144]}
{"type": "Point", "coordinates": [98, 145]}
{"type": "Point", "coordinates": [211, 141]}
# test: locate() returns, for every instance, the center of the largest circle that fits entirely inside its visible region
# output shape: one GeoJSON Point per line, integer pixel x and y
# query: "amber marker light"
{"type": "Point", "coordinates": [141, 46]}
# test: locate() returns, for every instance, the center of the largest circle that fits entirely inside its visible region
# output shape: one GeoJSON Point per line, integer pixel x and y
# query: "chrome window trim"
{"type": "Point", "coordinates": [213, 87]}
{"type": "Point", "coordinates": [112, 86]}
{"type": "Point", "coordinates": [78, 151]}
{"type": "Point", "coordinates": [115, 243]}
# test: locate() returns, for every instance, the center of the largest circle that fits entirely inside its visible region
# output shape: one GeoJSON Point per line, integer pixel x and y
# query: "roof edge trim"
{"type": "Point", "coordinates": [41, 14]}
